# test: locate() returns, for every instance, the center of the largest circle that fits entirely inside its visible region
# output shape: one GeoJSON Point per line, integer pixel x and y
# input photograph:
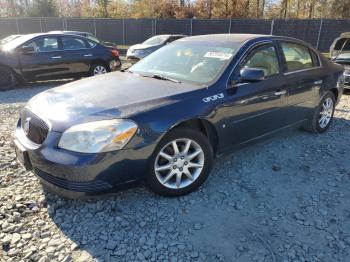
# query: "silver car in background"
{"type": "Point", "coordinates": [139, 51]}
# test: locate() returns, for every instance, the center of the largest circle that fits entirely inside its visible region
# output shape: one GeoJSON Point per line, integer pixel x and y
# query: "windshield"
{"type": "Point", "coordinates": [192, 61]}
{"type": "Point", "coordinates": [16, 42]}
{"type": "Point", "coordinates": [155, 40]}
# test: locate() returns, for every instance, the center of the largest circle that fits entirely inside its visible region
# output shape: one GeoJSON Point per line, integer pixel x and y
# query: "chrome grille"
{"type": "Point", "coordinates": [34, 127]}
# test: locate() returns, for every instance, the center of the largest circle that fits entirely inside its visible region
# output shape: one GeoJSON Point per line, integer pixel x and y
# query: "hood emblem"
{"type": "Point", "coordinates": [26, 125]}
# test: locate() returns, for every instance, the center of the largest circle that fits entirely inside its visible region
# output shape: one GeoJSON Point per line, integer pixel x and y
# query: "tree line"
{"type": "Point", "coordinates": [202, 9]}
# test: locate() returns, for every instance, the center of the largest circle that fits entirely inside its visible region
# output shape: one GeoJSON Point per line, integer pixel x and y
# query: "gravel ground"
{"type": "Point", "coordinates": [285, 199]}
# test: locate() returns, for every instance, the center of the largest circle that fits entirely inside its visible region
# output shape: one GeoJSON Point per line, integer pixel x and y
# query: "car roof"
{"type": "Point", "coordinates": [235, 38]}
{"type": "Point", "coordinates": [68, 32]}
{"type": "Point", "coordinates": [165, 35]}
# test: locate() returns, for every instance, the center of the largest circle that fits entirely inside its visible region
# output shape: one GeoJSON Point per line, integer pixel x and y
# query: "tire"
{"type": "Point", "coordinates": [315, 125]}
{"type": "Point", "coordinates": [7, 79]}
{"type": "Point", "coordinates": [98, 69]}
{"type": "Point", "coordinates": [165, 181]}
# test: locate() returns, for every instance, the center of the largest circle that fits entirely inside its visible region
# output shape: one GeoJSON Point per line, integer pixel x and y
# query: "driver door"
{"type": "Point", "coordinates": [254, 109]}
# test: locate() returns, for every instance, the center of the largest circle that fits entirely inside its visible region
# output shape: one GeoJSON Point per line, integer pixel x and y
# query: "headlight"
{"type": "Point", "coordinates": [99, 136]}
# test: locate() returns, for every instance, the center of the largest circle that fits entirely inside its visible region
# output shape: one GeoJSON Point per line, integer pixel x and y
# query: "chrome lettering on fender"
{"type": "Point", "coordinates": [213, 98]}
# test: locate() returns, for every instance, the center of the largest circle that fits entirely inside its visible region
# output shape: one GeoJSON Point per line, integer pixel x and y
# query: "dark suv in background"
{"type": "Point", "coordinates": [48, 56]}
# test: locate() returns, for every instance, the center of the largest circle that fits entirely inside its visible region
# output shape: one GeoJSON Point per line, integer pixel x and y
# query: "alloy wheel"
{"type": "Point", "coordinates": [99, 70]}
{"type": "Point", "coordinates": [326, 112]}
{"type": "Point", "coordinates": [179, 163]}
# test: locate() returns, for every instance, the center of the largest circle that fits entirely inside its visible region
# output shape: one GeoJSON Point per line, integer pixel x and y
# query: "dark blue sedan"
{"type": "Point", "coordinates": [166, 118]}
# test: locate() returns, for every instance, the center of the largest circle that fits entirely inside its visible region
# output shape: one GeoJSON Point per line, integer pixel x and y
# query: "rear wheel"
{"type": "Point", "coordinates": [181, 163]}
{"type": "Point", "coordinates": [98, 69]}
{"type": "Point", "coordinates": [7, 78]}
{"type": "Point", "coordinates": [323, 115]}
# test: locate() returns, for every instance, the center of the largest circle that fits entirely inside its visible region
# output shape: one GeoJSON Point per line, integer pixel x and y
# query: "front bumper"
{"type": "Point", "coordinates": [71, 174]}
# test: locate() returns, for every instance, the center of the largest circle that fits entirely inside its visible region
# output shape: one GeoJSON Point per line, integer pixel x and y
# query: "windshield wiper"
{"type": "Point", "coordinates": [162, 77]}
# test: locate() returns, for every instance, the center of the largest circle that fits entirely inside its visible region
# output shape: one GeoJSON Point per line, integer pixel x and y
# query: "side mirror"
{"type": "Point", "coordinates": [252, 75]}
{"type": "Point", "coordinates": [27, 49]}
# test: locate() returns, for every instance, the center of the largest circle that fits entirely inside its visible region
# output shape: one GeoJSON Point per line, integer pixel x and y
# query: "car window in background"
{"type": "Point", "coordinates": [171, 39]}
{"type": "Point", "coordinates": [91, 44]}
{"type": "Point", "coordinates": [200, 62]}
{"type": "Point", "coordinates": [298, 57]}
{"type": "Point", "coordinates": [93, 38]}
{"type": "Point", "coordinates": [155, 40]}
{"type": "Point", "coordinates": [266, 59]}
{"type": "Point", "coordinates": [72, 43]}
{"type": "Point", "coordinates": [16, 42]}
{"type": "Point", "coordinates": [44, 44]}
{"type": "Point", "coordinates": [342, 43]}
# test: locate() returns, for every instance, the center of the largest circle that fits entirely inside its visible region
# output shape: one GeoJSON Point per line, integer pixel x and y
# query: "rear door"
{"type": "Point", "coordinates": [77, 54]}
{"type": "Point", "coordinates": [46, 60]}
{"type": "Point", "coordinates": [254, 109]}
{"type": "Point", "coordinates": [304, 77]}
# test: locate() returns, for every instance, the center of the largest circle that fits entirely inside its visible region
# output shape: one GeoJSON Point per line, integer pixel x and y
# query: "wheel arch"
{"type": "Point", "coordinates": [9, 68]}
{"type": "Point", "coordinates": [15, 74]}
{"type": "Point", "coordinates": [204, 126]}
{"type": "Point", "coordinates": [335, 91]}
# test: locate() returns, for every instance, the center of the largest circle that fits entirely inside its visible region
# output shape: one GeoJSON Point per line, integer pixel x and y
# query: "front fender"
{"type": "Point", "coordinates": [155, 123]}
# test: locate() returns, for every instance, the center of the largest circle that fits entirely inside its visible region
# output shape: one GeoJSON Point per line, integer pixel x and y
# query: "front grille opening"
{"type": "Point", "coordinates": [35, 129]}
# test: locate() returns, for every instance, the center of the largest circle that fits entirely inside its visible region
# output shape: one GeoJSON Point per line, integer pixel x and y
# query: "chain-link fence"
{"type": "Point", "coordinates": [318, 32]}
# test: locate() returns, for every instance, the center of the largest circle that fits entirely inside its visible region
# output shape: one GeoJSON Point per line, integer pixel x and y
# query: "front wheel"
{"type": "Point", "coordinates": [323, 115]}
{"type": "Point", "coordinates": [7, 78]}
{"type": "Point", "coordinates": [181, 163]}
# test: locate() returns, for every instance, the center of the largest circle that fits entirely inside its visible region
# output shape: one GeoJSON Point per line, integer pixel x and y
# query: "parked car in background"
{"type": "Point", "coordinates": [167, 117]}
{"type": "Point", "coordinates": [8, 39]}
{"type": "Point", "coordinates": [340, 54]}
{"type": "Point", "coordinates": [52, 56]}
{"type": "Point", "coordinates": [87, 35]}
{"type": "Point", "coordinates": [139, 51]}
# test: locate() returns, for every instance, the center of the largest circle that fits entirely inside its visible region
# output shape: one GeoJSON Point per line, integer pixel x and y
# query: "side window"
{"type": "Point", "coordinates": [44, 44]}
{"type": "Point", "coordinates": [264, 58]}
{"type": "Point", "coordinates": [93, 38]}
{"type": "Point", "coordinates": [72, 43]}
{"type": "Point", "coordinates": [91, 44]}
{"type": "Point", "coordinates": [171, 39]}
{"type": "Point", "coordinates": [298, 57]}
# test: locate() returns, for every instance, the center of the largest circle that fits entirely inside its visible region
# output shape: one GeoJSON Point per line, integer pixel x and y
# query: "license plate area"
{"type": "Point", "coordinates": [22, 156]}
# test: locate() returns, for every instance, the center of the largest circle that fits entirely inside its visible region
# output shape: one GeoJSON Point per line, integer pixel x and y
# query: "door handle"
{"type": "Point", "coordinates": [280, 92]}
{"type": "Point", "coordinates": [88, 55]}
{"type": "Point", "coordinates": [318, 82]}
{"type": "Point", "coordinates": [56, 57]}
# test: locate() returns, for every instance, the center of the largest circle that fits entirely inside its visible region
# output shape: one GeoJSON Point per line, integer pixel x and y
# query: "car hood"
{"type": "Point", "coordinates": [109, 96]}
